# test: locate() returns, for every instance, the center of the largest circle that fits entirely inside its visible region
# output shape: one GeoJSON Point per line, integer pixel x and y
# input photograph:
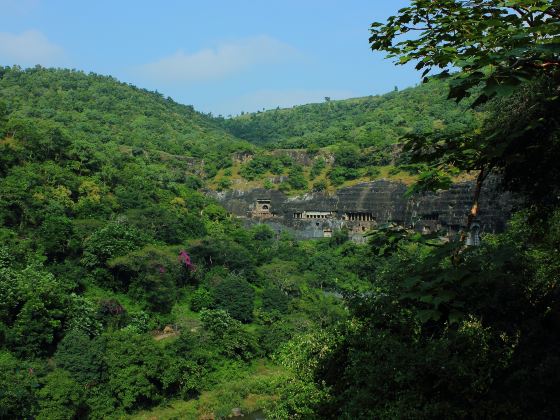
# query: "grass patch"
{"type": "Point", "coordinates": [250, 391]}
{"type": "Point", "coordinates": [385, 172]}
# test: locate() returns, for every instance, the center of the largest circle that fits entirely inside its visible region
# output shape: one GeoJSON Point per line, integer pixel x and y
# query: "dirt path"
{"type": "Point", "coordinates": [163, 336]}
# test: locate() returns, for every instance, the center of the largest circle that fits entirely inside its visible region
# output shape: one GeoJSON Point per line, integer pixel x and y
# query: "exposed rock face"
{"type": "Point", "coordinates": [363, 206]}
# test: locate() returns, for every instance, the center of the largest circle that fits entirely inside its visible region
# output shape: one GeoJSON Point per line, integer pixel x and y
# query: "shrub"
{"type": "Point", "coordinates": [318, 165]}
{"type": "Point", "coordinates": [296, 179]}
{"type": "Point", "coordinates": [236, 296]}
{"type": "Point", "coordinates": [268, 185]}
{"type": "Point", "coordinates": [320, 186]}
{"type": "Point", "coordinates": [338, 174]}
{"type": "Point", "coordinates": [224, 184]}
{"type": "Point", "coordinates": [273, 299]}
{"type": "Point", "coordinates": [201, 299]}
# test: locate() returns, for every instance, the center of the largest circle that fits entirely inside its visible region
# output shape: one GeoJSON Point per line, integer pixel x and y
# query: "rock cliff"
{"type": "Point", "coordinates": [362, 207]}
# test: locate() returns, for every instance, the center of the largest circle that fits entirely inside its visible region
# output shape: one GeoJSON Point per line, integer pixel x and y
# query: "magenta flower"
{"type": "Point", "coordinates": [185, 258]}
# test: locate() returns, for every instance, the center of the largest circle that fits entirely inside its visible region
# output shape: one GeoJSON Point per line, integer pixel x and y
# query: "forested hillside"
{"type": "Point", "coordinates": [325, 146]}
{"type": "Point", "coordinates": [106, 240]}
{"type": "Point", "coordinates": [126, 292]}
{"type": "Point", "coordinates": [84, 115]}
{"type": "Point", "coordinates": [372, 121]}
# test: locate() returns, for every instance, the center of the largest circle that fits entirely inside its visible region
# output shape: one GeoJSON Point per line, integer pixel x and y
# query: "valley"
{"type": "Point", "coordinates": [382, 257]}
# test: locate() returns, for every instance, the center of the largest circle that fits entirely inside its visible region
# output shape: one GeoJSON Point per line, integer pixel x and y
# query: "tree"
{"type": "Point", "coordinates": [18, 382]}
{"type": "Point", "coordinates": [272, 336]}
{"type": "Point", "coordinates": [82, 357]}
{"type": "Point", "coordinates": [215, 252]}
{"type": "Point", "coordinates": [201, 299]}
{"type": "Point", "coordinates": [55, 233]}
{"type": "Point", "coordinates": [34, 307]}
{"type": "Point", "coordinates": [348, 155]}
{"type": "Point", "coordinates": [236, 296]}
{"type": "Point", "coordinates": [61, 397]}
{"type": "Point", "coordinates": [151, 274]}
{"type": "Point", "coordinates": [113, 240]}
{"type": "Point", "coordinates": [504, 50]}
{"type": "Point", "coordinates": [273, 299]}
{"type": "Point", "coordinates": [135, 365]}
{"type": "Point", "coordinates": [296, 178]}
{"type": "Point", "coordinates": [320, 186]}
{"type": "Point", "coordinates": [228, 334]}
{"type": "Point", "coordinates": [497, 45]}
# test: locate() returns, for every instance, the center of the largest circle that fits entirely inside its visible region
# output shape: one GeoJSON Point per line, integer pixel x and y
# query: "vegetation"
{"type": "Point", "coordinates": [374, 121]}
{"type": "Point", "coordinates": [126, 292]}
{"type": "Point", "coordinates": [449, 331]}
{"type": "Point", "coordinates": [122, 286]}
{"type": "Point", "coordinates": [338, 143]}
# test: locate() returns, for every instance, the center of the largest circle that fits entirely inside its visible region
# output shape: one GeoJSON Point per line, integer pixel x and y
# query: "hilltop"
{"type": "Point", "coordinates": [89, 118]}
{"type": "Point", "coordinates": [368, 121]}
{"type": "Point", "coordinates": [98, 114]}
{"type": "Point", "coordinates": [340, 143]}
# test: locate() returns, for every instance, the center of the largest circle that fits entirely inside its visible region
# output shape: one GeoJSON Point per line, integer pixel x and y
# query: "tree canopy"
{"type": "Point", "coordinates": [507, 51]}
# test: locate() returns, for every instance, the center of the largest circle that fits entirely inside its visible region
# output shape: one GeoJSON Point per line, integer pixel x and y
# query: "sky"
{"type": "Point", "coordinates": [221, 56]}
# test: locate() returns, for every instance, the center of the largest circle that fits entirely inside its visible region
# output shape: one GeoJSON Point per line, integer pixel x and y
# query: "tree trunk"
{"type": "Point", "coordinates": [475, 203]}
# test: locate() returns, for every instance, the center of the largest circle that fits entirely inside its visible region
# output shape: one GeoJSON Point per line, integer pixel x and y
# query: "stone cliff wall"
{"type": "Point", "coordinates": [364, 206]}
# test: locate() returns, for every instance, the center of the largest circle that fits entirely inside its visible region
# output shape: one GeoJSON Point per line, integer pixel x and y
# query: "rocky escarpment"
{"type": "Point", "coordinates": [362, 207]}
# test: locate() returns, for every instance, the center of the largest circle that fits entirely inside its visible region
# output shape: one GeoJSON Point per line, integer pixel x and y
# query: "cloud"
{"type": "Point", "coordinates": [29, 48]}
{"type": "Point", "coordinates": [217, 63]}
{"type": "Point", "coordinates": [285, 98]}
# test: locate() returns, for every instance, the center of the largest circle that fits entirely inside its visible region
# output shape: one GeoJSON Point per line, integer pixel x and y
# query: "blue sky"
{"type": "Point", "coordinates": [222, 56]}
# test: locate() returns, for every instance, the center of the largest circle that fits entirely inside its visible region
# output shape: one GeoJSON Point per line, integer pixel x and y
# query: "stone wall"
{"type": "Point", "coordinates": [364, 206]}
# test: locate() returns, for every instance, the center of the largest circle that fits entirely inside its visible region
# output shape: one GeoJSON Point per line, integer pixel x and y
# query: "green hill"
{"type": "Point", "coordinates": [367, 121]}
{"type": "Point", "coordinates": [121, 285]}
{"type": "Point", "coordinates": [337, 143]}
{"type": "Point", "coordinates": [127, 293]}
{"type": "Point", "coordinates": [99, 113]}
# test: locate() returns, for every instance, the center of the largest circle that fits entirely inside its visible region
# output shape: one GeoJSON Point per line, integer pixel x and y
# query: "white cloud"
{"type": "Point", "coordinates": [271, 98]}
{"type": "Point", "coordinates": [29, 48]}
{"type": "Point", "coordinates": [217, 63]}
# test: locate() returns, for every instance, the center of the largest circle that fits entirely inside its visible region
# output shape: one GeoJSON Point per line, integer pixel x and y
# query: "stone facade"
{"type": "Point", "coordinates": [364, 206]}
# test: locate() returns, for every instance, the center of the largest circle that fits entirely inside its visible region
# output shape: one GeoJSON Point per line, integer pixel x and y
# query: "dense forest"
{"type": "Point", "coordinates": [126, 292]}
{"type": "Point", "coordinates": [107, 239]}
{"type": "Point", "coordinates": [372, 121]}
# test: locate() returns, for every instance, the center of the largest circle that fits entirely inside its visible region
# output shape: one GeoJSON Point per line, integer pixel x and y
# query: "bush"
{"type": "Point", "coordinates": [228, 334]}
{"type": "Point", "coordinates": [82, 357]}
{"type": "Point", "coordinates": [201, 299]}
{"type": "Point", "coordinates": [338, 174]}
{"type": "Point", "coordinates": [320, 186]}
{"type": "Point", "coordinates": [273, 299]}
{"type": "Point", "coordinates": [61, 397]}
{"type": "Point", "coordinates": [273, 336]}
{"type": "Point", "coordinates": [373, 172]}
{"type": "Point", "coordinates": [284, 187]}
{"type": "Point", "coordinates": [268, 185]}
{"type": "Point", "coordinates": [224, 184]}
{"type": "Point", "coordinates": [113, 240]}
{"type": "Point", "coordinates": [236, 296]}
{"type": "Point", "coordinates": [348, 155]}
{"type": "Point", "coordinates": [152, 273]}
{"type": "Point", "coordinates": [18, 382]}
{"type": "Point", "coordinates": [318, 165]}
{"type": "Point", "coordinates": [296, 179]}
